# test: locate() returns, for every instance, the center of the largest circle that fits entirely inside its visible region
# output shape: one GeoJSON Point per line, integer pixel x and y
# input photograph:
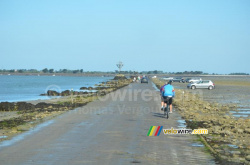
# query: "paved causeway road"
{"type": "Point", "coordinates": [112, 130]}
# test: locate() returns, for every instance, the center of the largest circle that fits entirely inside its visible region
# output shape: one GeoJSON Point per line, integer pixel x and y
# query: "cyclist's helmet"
{"type": "Point", "coordinates": [170, 82]}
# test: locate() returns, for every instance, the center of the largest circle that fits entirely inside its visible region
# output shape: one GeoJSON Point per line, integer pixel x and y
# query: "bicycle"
{"type": "Point", "coordinates": [167, 108]}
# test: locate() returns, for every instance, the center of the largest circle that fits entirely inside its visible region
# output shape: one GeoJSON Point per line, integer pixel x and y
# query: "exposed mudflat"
{"type": "Point", "coordinates": [226, 120]}
{"type": "Point", "coordinates": [228, 90]}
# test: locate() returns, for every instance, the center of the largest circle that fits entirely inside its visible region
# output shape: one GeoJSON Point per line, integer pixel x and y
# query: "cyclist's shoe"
{"type": "Point", "coordinates": [165, 109]}
{"type": "Point", "coordinates": [162, 108]}
{"type": "Point", "coordinates": [170, 112]}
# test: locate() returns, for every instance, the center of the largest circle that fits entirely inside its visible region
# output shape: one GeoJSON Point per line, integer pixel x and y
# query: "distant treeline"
{"type": "Point", "coordinates": [239, 74]}
{"type": "Point", "coordinates": [190, 72]}
{"type": "Point", "coordinates": [161, 72]}
{"type": "Point", "coordinates": [81, 71]}
{"type": "Point", "coordinates": [48, 71]}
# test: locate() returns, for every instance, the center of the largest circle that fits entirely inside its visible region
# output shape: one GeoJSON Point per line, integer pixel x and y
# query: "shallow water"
{"type": "Point", "coordinates": [225, 94]}
{"type": "Point", "coordinates": [25, 134]}
{"type": "Point", "coordinates": [233, 146]}
{"type": "Point", "coordinates": [197, 145]}
{"type": "Point", "coordinates": [182, 123]}
{"type": "Point", "coordinates": [3, 137]}
{"type": "Point", "coordinates": [155, 87]}
{"type": "Point", "coordinates": [23, 88]}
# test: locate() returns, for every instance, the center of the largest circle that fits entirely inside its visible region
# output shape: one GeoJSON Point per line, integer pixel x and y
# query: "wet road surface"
{"type": "Point", "coordinates": [112, 130]}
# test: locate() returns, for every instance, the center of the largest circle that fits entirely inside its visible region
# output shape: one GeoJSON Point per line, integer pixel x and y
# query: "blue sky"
{"type": "Point", "coordinates": [178, 35]}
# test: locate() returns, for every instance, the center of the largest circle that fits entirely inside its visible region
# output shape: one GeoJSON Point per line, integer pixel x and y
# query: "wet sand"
{"type": "Point", "coordinates": [228, 90]}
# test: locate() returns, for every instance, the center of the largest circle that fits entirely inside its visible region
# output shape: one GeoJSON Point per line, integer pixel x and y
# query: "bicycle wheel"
{"type": "Point", "coordinates": [167, 111]}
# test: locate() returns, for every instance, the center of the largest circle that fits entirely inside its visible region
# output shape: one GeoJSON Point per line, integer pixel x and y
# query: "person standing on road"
{"type": "Point", "coordinates": [134, 79]}
{"type": "Point", "coordinates": [138, 79]}
{"type": "Point", "coordinates": [168, 94]}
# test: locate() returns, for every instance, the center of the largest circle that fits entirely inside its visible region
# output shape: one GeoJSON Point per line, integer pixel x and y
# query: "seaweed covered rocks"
{"type": "Point", "coordinates": [120, 77]}
{"type": "Point", "coordinates": [228, 137]}
{"type": "Point", "coordinates": [7, 106]}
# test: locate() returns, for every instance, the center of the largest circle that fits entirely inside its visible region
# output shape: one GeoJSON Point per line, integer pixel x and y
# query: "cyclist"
{"type": "Point", "coordinates": [168, 94]}
{"type": "Point", "coordinates": [162, 99]}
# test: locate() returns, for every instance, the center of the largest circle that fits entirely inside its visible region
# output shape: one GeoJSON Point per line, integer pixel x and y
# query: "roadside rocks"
{"type": "Point", "coordinates": [7, 106]}
{"type": "Point", "coordinates": [43, 105]}
{"type": "Point", "coordinates": [96, 88]}
{"type": "Point", "coordinates": [227, 135]}
{"type": "Point", "coordinates": [66, 93]}
{"type": "Point", "coordinates": [53, 93]}
{"type": "Point", "coordinates": [90, 88]}
{"type": "Point", "coordinates": [120, 77]}
{"type": "Point", "coordinates": [247, 130]}
{"type": "Point", "coordinates": [71, 92]}
{"type": "Point", "coordinates": [87, 88]}
{"type": "Point", "coordinates": [248, 157]}
{"type": "Point", "coordinates": [19, 106]}
{"type": "Point", "coordinates": [12, 122]}
{"type": "Point", "coordinates": [23, 106]}
{"type": "Point", "coordinates": [101, 88]}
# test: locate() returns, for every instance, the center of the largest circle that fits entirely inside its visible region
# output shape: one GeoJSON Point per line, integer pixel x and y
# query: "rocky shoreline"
{"type": "Point", "coordinates": [228, 137]}
{"type": "Point", "coordinates": [21, 116]}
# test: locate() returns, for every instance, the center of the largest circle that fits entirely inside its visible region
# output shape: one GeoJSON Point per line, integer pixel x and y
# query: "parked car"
{"type": "Point", "coordinates": [194, 80]}
{"type": "Point", "coordinates": [202, 84]}
{"type": "Point", "coordinates": [178, 79]}
{"type": "Point", "coordinates": [187, 80]}
{"type": "Point", "coordinates": [168, 78]}
{"type": "Point", "coordinates": [144, 80]}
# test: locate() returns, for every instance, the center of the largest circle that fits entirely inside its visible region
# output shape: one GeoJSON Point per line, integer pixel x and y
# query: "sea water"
{"type": "Point", "coordinates": [24, 88]}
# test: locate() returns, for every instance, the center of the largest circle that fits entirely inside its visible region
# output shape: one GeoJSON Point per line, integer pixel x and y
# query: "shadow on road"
{"type": "Point", "coordinates": [161, 115]}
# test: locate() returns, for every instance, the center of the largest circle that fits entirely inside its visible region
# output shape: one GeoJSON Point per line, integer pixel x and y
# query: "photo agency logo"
{"type": "Point", "coordinates": [156, 131]}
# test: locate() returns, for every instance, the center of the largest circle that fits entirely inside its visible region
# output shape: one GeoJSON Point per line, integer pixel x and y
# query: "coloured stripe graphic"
{"type": "Point", "coordinates": [154, 130]}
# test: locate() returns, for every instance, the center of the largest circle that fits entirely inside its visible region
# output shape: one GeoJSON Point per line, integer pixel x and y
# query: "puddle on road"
{"type": "Point", "coordinates": [241, 112]}
{"type": "Point", "coordinates": [182, 123]}
{"type": "Point", "coordinates": [25, 134]}
{"type": "Point", "coordinates": [232, 146]}
{"type": "Point", "coordinates": [155, 87]}
{"type": "Point", "coordinates": [3, 137]}
{"type": "Point", "coordinates": [244, 109]}
{"type": "Point", "coordinates": [197, 145]}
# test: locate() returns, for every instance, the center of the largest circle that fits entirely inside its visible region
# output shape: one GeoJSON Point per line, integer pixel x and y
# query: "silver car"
{"type": "Point", "coordinates": [194, 80]}
{"type": "Point", "coordinates": [202, 84]}
{"type": "Point", "coordinates": [168, 78]}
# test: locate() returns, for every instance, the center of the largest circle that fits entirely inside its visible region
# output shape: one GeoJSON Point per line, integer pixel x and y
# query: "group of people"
{"type": "Point", "coordinates": [167, 93]}
{"type": "Point", "coordinates": [138, 78]}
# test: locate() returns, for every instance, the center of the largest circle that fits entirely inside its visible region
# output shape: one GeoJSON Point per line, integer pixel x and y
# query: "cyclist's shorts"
{"type": "Point", "coordinates": [168, 100]}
